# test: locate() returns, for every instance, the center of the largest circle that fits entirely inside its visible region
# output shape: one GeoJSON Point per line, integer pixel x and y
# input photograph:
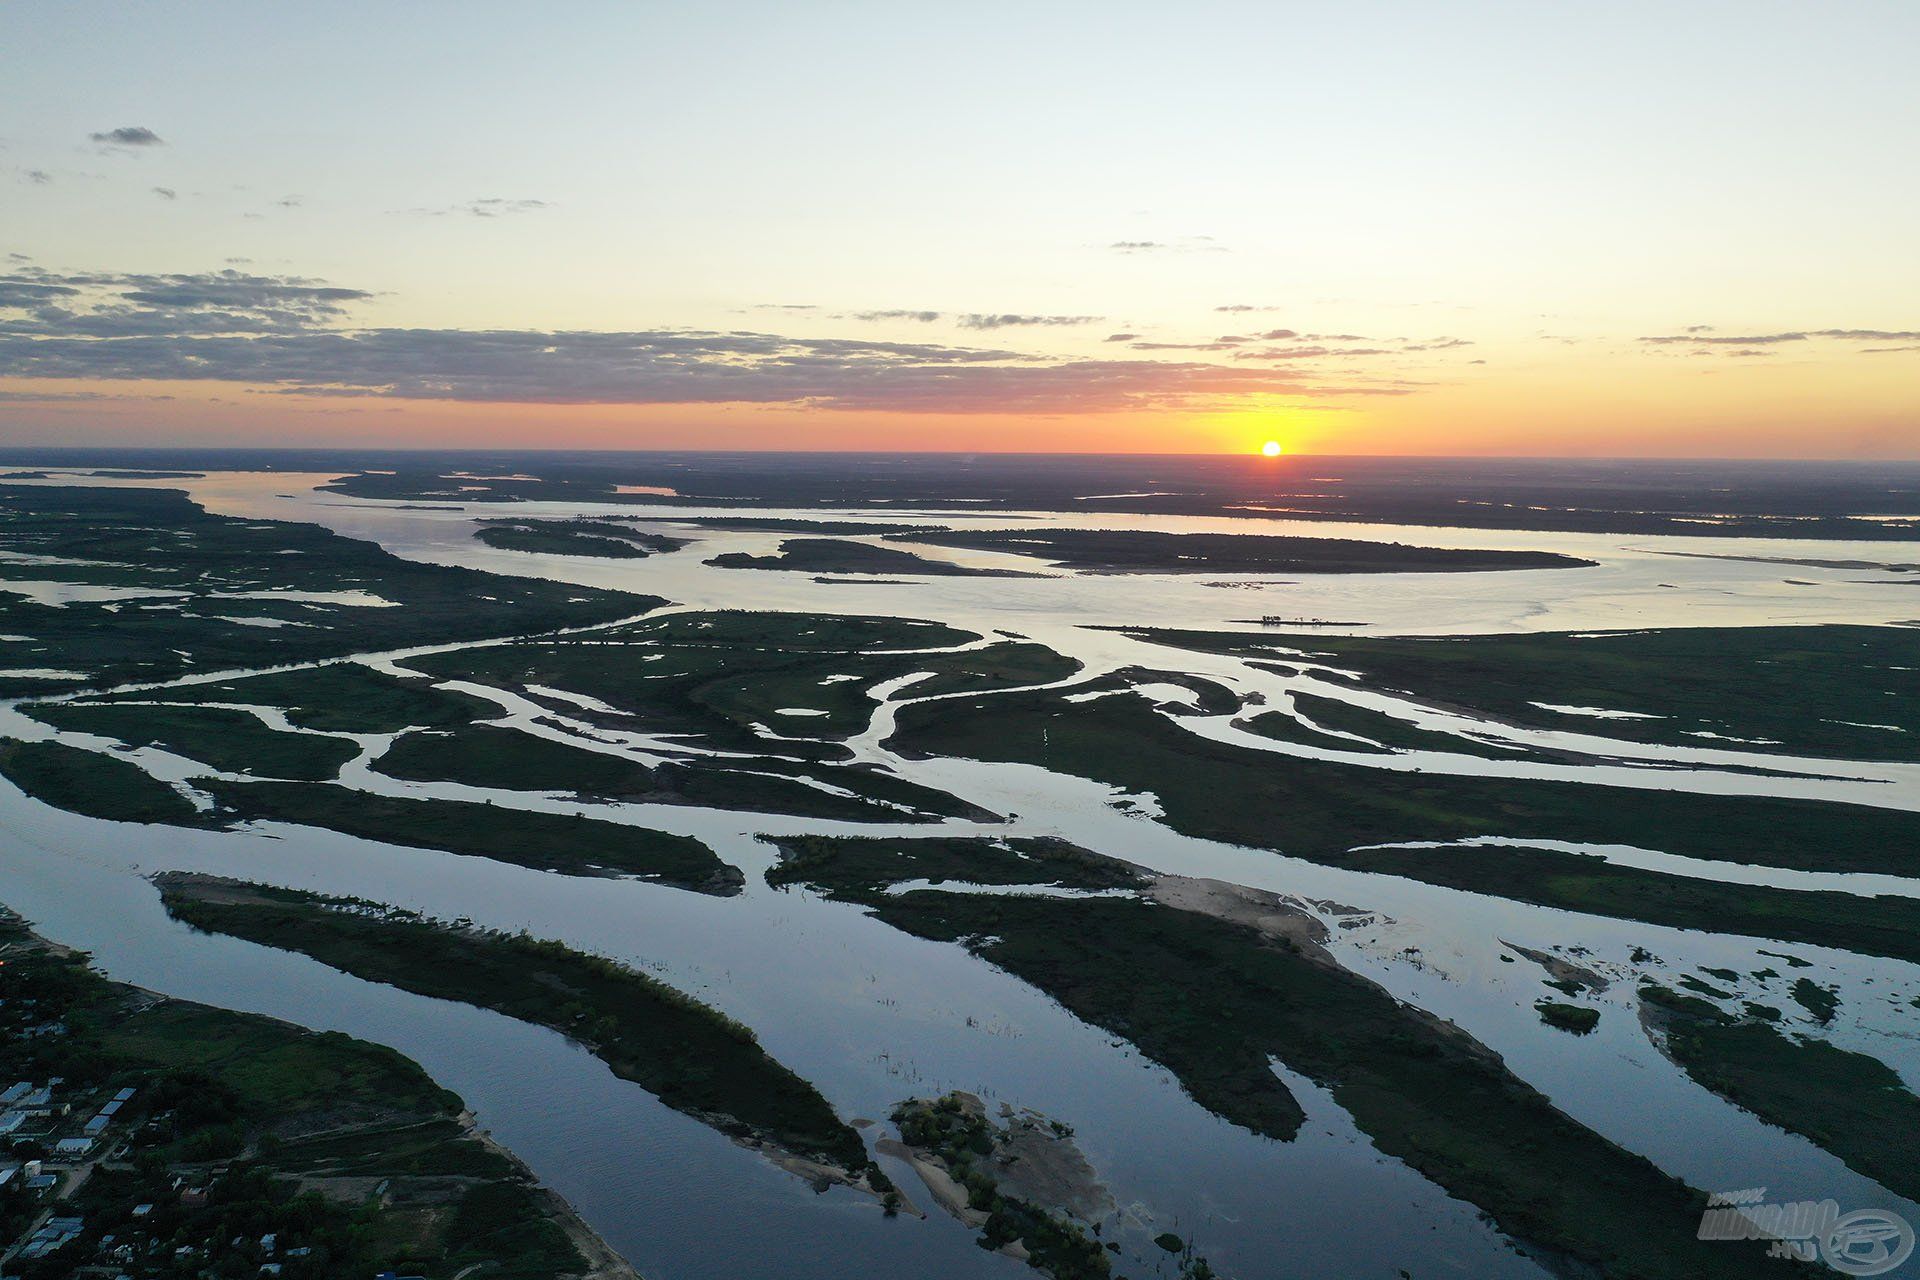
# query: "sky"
{"type": "Point", "coordinates": [1632, 229]}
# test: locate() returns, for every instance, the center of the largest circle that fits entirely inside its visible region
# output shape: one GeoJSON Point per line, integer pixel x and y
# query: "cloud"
{"type": "Point", "coordinates": [38, 177]}
{"type": "Point", "coordinates": [166, 193]}
{"type": "Point", "coordinates": [919, 317]}
{"type": "Point", "coordinates": [1243, 307]}
{"type": "Point", "coordinates": [289, 336]}
{"type": "Point", "coordinates": [1691, 338]}
{"type": "Point", "coordinates": [973, 319]}
{"type": "Point", "coordinates": [1312, 352]}
{"type": "Point", "coordinates": [1702, 339]}
{"type": "Point", "coordinates": [130, 135]}
{"type": "Point", "coordinates": [976, 320]}
{"type": "Point", "coordinates": [1120, 337]}
{"type": "Point", "coordinates": [1224, 344]}
{"type": "Point", "coordinates": [111, 305]}
{"type": "Point", "coordinates": [486, 207]}
{"type": "Point", "coordinates": [1337, 346]}
{"type": "Point", "coordinates": [1186, 244]}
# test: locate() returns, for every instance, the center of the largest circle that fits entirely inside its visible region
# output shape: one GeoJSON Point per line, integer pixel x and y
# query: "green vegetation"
{"type": "Point", "coordinates": [489, 756]}
{"type": "Point", "coordinates": [968, 1145]}
{"type": "Point", "coordinates": [342, 697]}
{"type": "Point", "coordinates": [90, 783]}
{"type": "Point", "coordinates": [572, 845]}
{"type": "Point", "coordinates": [1577, 1018]}
{"type": "Point", "coordinates": [791, 524]}
{"type": "Point", "coordinates": [1320, 809]}
{"type": "Point", "coordinates": [273, 1070]}
{"type": "Point", "coordinates": [274, 1129]}
{"type": "Point", "coordinates": [852, 865]}
{"type": "Point", "coordinates": [1133, 551]}
{"type": "Point", "coordinates": [721, 674]}
{"type": "Point", "coordinates": [231, 741]}
{"type": "Point", "coordinates": [1755, 683]}
{"type": "Point", "coordinates": [838, 555]}
{"type": "Point", "coordinates": [1215, 1001]}
{"type": "Point", "coordinates": [1817, 1000]}
{"type": "Point", "coordinates": [1346, 717]}
{"type": "Point", "coordinates": [1849, 1103]}
{"type": "Point", "coordinates": [691, 1057]}
{"type": "Point", "coordinates": [223, 592]}
{"type": "Point", "coordinates": [1883, 926]}
{"type": "Point", "coordinates": [601, 538]}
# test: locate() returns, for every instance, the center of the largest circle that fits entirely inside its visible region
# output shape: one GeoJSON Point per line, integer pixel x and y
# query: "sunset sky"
{"type": "Point", "coordinates": [1528, 228]}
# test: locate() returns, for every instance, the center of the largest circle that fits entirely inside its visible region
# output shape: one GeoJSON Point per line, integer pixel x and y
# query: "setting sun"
{"type": "Point", "coordinates": [1271, 448]}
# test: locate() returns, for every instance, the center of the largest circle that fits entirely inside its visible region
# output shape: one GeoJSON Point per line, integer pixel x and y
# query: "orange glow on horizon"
{"type": "Point", "coordinates": [1576, 408]}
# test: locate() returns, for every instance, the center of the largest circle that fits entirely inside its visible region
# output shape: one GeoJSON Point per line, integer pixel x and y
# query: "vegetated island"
{"type": "Point", "coordinates": [1341, 813]}
{"type": "Point", "coordinates": [1135, 551]}
{"type": "Point", "coordinates": [572, 844]}
{"type": "Point", "coordinates": [1849, 1103]}
{"type": "Point", "coordinates": [1021, 1182]}
{"type": "Point", "coordinates": [692, 1057]}
{"type": "Point", "coordinates": [1215, 981]}
{"type": "Point", "coordinates": [840, 555]}
{"type": "Point", "coordinates": [1738, 688]}
{"type": "Point", "coordinates": [177, 1130]}
{"type": "Point", "coordinates": [160, 587]}
{"type": "Point", "coordinates": [602, 538]}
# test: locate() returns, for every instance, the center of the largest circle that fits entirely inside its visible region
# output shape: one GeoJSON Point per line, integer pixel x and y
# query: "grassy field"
{"type": "Point", "coordinates": [1852, 1105]}
{"type": "Point", "coordinates": [1817, 690]}
{"type": "Point", "coordinates": [844, 865]}
{"type": "Point", "coordinates": [91, 783]}
{"type": "Point", "coordinates": [721, 674]}
{"type": "Point", "coordinates": [691, 1057]}
{"type": "Point", "coordinates": [230, 741]}
{"type": "Point", "coordinates": [572, 845]}
{"type": "Point", "coordinates": [600, 538]}
{"type": "Point", "coordinates": [1133, 551]}
{"type": "Point", "coordinates": [324, 1078]}
{"type": "Point", "coordinates": [215, 579]}
{"type": "Point", "coordinates": [838, 555]}
{"type": "Point", "coordinates": [341, 697]}
{"type": "Point", "coordinates": [1320, 809]}
{"type": "Point", "coordinates": [1882, 926]}
{"type": "Point", "coordinates": [488, 756]}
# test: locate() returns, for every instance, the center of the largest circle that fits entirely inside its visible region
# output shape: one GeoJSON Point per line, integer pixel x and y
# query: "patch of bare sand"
{"type": "Point", "coordinates": [1269, 913]}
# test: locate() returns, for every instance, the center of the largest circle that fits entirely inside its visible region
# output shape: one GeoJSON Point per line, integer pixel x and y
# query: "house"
{"type": "Point", "coordinates": [72, 1148]}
